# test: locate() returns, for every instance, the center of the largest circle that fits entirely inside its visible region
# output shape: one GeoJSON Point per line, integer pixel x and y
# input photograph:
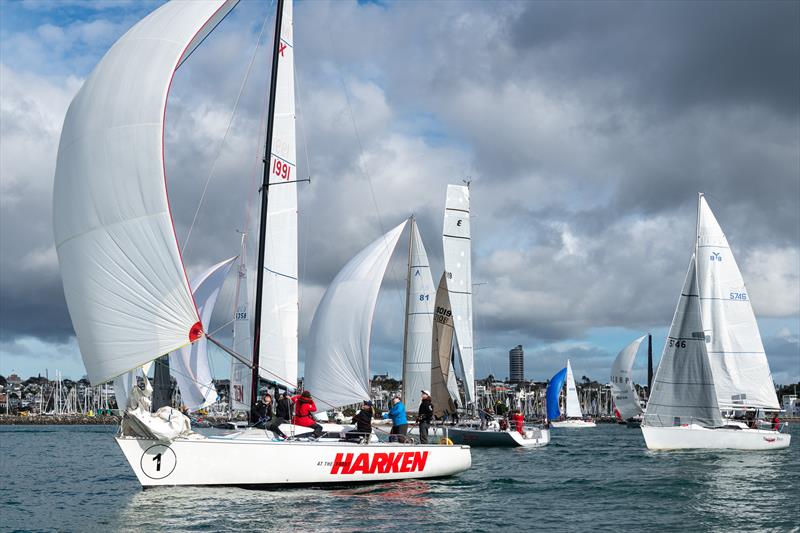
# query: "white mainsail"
{"type": "Point", "coordinates": [458, 265]}
{"type": "Point", "coordinates": [741, 372]}
{"type": "Point", "coordinates": [419, 322]}
{"type": "Point", "coordinates": [337, 360]}
{"type": "Point", "coordinates": [573, 405]}
{"type": "Point", "coordinates": [683, 387]}
{"type": "Point", "coordinates": [241, 377]}
{"type": "Point", "coordinates": [189, 365]}
{"type": "Point", "coordinates": [441, 348]}
{"type": "Point", "coordinates": [279, 309]}
{"type": "Point", "coordinates": [622, 389]}
{"type": "Point", "coordinates": [124, 280]}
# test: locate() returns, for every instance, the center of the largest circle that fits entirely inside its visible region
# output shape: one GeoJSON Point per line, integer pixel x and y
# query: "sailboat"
{"type": "Point", "coordinates": [713, 361]}
{"type": "Point", "coordinates": [626, 400]}
{"type": "Point", "coordinates": [125, 282]}
{"type": "Point", "coordinates": [574, 416]}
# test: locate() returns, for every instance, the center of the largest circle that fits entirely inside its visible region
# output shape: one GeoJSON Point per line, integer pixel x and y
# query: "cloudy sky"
{"type": "Point", "coordinates": [587, 129]}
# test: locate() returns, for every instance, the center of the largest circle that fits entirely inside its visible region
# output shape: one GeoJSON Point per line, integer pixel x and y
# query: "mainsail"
{"type": "Point", "coordinates": [441, 348]}
{"type": "Point", "coordinates": [458, 265]}
{"type": "Point", "coordinates": [419, 322]}
{"type": "Point", "coordinates": [279, 309]}
{"type": "Point", "coordinates": [337, 360]}
{"type": "Point", "coordinates": [683, 387]}
{"type": "Point", "coordinates": [625, 397]}
{"type": "Point", "coordinates": [573, 405]}
{"type": "Point", "coordinates": [241, 376]}
{"type": "Point", "coordinates": [124, 280]}
{"type": "Point", "coordinates": [189, 365]}
{"type": "Point", "coordinates": [741, 372]}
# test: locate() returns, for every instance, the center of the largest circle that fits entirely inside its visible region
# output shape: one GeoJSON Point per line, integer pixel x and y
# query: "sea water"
{"type": "Point", "coordinates": [74, 478]}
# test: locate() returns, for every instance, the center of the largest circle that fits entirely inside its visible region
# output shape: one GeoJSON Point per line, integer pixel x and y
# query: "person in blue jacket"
{"type": "Point", "coordinates": [399, 421]}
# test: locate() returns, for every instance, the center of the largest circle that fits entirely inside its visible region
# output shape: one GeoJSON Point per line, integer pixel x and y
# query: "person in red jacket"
{"type": "Point", "coordinates": [519, 421]}
{"type": "Point", "coordinates": [303, 407]}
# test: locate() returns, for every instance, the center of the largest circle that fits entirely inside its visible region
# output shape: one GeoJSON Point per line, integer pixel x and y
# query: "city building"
{"type": "Point", "coordinates": [516, 365]}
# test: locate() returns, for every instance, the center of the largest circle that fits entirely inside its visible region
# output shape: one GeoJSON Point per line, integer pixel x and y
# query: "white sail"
{"type": "Point", "coordinates": [458, 264]}
{"type": "Point", "coordinates": [683, 387]}
{"type": "Point", "coordinates": [122, 387]}
{"type": "Point", "coordinates": [337, 360]}
{"type": "Point", "coordinates": [441, 348]}
{"type": "Point", "coordinates": [279, 310]}
{"type": "Point", "coordinates": [189, 366]}
{"type": "Point", "coordinates": [741, 372]}
{"type": "Point", "coordinates": [622, 389]}
{"type": "Point", "coordinates": [241, 377]}
{"type": "Point", "coordinates": [573, 405]}
{"type": "Point", "coordinates": [123, 276]}
{"type": "Point", "coordinates": [419, 323]}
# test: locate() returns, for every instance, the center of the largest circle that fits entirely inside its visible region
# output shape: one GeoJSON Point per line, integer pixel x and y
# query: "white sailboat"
{"type": "Point", "coordinates": [713, 361]}
{"type": "Point", "coordinates": [457, 248]}
{"type": "Point", "coordinates": [623, 391]}
{"type": "Point", "coordinates": [125, 283]}
{"type": "Point", "coordinates": [574, 416]}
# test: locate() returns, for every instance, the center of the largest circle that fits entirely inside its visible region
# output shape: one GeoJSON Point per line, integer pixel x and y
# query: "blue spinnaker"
{"type": "Point", "coordinates": [553, 391]}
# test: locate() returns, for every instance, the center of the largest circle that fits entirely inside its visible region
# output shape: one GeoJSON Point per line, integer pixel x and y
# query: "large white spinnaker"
{"type": "Point", "coordinates": [337, 360]}
{"type": "Point", "coordinates": [419, 322]}
{"type": "Point", "coordinates": [124, 280]}
{"type": "Point", "coordinates": [741, 372]}
{"type": "Point", "coordinates": [441, 348]}
{"type": "Point", "coordinates": [573, 405]}
{"type": "Point", "coordinates": [279, 309]}
{"type": "Point", "coordinates": [241, 377]}
{"type": "Point", "coordinates": [683, 387]}
{"type": "Point", "coordinates": [622, 389]}
{"type": "Point", "coordinates": [458, 264]}
{"type": "Point", "coordinates": [189, 366]}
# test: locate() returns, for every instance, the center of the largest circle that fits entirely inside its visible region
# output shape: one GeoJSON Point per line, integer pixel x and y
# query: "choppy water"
{"type": "Point", "coordinates": [73, 478]}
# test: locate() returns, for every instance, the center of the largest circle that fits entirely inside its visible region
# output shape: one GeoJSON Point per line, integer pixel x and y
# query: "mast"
{"type": "Point", "coordinates": [408, 303]}
{"type": "Point", "coordinates": [262, 234]}
{"type": "Point", "coordinates": [649, 363]}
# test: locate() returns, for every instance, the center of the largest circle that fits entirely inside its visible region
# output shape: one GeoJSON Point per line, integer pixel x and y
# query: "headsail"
{"type": "Point", "coordinates": [625, 397]}
{"type": "Point", "coordinates": [742, 377]}
{"type": "Point", "coordinates": [337, 360]}
{"type": "Point", "coordinates": [419, 323]}
{"type": "Point", "coordinates": [441, 348]}
{"type": "Point", "coordinates": [124, 280]}
{"type": "Point", "coordinates": [458, 265]}
{"type": "Point", "coordinates": [683, 387]}
{"type": "Point", "coordinates": [573, 405]}
{"type": "Point", "coordinates": [279, 309]}
{"type": "Point", "coordinates": [189, 365]}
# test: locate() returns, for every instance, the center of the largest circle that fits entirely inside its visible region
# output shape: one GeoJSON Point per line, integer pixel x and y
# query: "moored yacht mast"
{"type": "Point", "coordinates": [264, 204]}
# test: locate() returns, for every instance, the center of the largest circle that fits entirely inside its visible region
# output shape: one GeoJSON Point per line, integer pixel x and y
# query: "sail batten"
{"type": "Point", "coordinates": [111, 215]}
{"type": "Point", "coordinates": [337, 359]}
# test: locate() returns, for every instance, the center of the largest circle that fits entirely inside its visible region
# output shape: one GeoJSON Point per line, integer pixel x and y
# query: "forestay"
{"type": "Point", "coordinates": [683, 387]}
{"type": "Point", "coordinates": [189, 366]}
{"type": "Point", "coordinates": [337, 360]}
{"type": "Point", "coordinates": [123, 277]}
{"type": "Point", "coordinates": [441, 348]}
{"type": "Point", "coordinates": [279, 310]}
{"type": "Point", "coordinates": [458, 264]}
{"type": "Point", "coordinates": [573, 405]}
{"type": "Point", "coordinates": [419, 323]}
{"type": "Point", "coordinates": [622, 388]}
{"type": "Point", "coordinates": [741, 372]}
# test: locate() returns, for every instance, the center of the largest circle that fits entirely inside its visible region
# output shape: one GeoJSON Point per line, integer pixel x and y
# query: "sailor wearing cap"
{"type": "Point", "coordinates": [425, 417]}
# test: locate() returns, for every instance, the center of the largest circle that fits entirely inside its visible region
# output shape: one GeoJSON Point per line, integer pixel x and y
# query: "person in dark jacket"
{"type": "Point", "coordinates": [425, 416]}
{"type": "Point", "coordinates": [263, 411]}
{"type": "Point", "coordinates": [283, 413]}
{"type": "Point", "coordinates": [363, 422]}
{"type": "Point", "coordinates": [304, 407]}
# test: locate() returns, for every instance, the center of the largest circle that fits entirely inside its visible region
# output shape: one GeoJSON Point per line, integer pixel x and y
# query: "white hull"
{"type": "Point", "coordinates": [489, 438]}
{"type": "Point", "coordinates": [698, 437]}
{"type": "Point", "coordinates": [243, 461]}
{"type": "Point", "coordinates": [573, 423]}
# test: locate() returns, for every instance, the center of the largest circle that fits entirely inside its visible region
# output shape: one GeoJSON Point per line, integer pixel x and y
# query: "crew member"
{"type": "Point", "coordinates": [519, 421]}
{"type": "Point", "coordinates": [399, 421]}
{"type": "Point", "coordinates": [304, 407]}
{"type": "Point", "coordinates": [363, 422]}
{"type": "Point", "coordinates": [425, 416]}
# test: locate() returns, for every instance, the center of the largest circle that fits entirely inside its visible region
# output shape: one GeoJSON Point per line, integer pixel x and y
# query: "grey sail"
{"type": "Point", "coordinates": [442, 346]}
{"type": "Point", "coordinates": [683, 387]}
